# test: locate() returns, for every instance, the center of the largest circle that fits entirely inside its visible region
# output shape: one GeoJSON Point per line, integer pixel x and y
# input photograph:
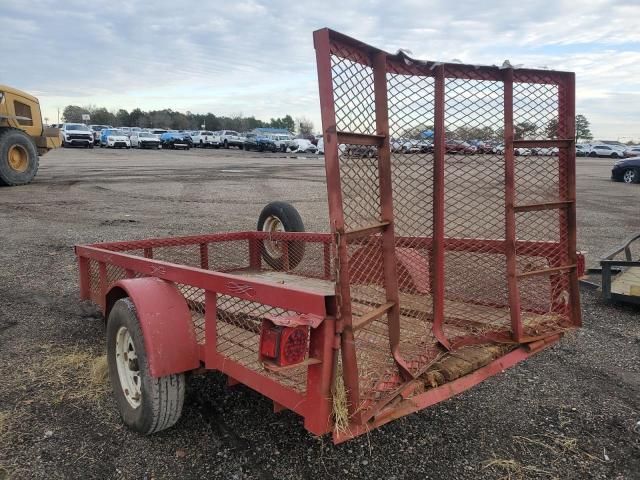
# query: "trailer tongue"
{"type": "Point", "coordinates": [440, 270]}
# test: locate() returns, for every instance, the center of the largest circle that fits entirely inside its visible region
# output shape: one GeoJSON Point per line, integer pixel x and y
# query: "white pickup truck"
{"type": "Point", "coordinates": [230, 138]}
{"type": "Point", "coordinates": [206, 139]}
{"type": "Point", "coordinates": [283, 142]}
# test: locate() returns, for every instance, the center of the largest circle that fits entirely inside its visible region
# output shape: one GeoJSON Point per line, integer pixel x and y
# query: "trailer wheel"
{"type": "Point", "coordinates": [281, 217]}
{"type": "Point", "coordinates": [146, 404]}
{"type": "Point", "coordinates": [18, 158]}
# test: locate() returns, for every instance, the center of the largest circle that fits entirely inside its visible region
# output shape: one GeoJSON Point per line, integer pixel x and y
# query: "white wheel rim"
{"type": "Point", "coordinates": [628, 176]}
{"type": "Point", "coordinates": [128, 368]}
{"type": "Point", "coordinates": [273, 247]}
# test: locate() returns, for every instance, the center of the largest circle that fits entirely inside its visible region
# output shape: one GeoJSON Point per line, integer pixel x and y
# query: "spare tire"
{"type": "Point", "coordinates": [281, 217]}
{"type": "Point", "coordinates": [18, 158]}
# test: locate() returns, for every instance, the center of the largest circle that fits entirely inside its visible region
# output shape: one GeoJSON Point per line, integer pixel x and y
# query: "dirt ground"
{"type": "Point", "coordinates": [572, 411]}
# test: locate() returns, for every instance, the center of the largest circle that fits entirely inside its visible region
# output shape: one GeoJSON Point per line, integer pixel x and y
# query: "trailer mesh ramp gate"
{"type": "Point", "coordinates": [440, 254]}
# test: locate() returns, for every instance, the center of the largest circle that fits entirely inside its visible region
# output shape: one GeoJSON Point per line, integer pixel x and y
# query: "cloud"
{"type": "Point", "coordinates": [257, 57]}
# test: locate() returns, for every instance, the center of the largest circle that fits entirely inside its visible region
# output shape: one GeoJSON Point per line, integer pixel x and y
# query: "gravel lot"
{"type": "Point", "coordinates": [571, 412]}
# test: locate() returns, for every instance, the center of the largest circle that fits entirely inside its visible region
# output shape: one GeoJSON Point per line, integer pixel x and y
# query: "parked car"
{"type": "Point", "coordinates": [626, 170]}
{"type": "Point", "coordinates": [320, 146]}
{"type": "Point", "coordinates": [405, 146]}
{"type": "Point", "coordinates": [633, 151]}
{"type": "Point", "coordinates": [114, 138]}
{"type": "Point", "coordinates": [459, 146]}
{"type": "Point", "coordinates": [521, 152]}
{"type": "Point", "coordinates": [602, 150]}
{"type": "Point", "coordinates": [582, 150]}
{"type": "Point", "coordinates": [76, 134]}
{"type": "Point", "coordinates": [231, 138]}
{"type": "Point", "coordinates": [283, 142]}
{"type": "Point", "coordinates": [548, 151]}
{"type": "Point", "coordinates": [205, 139]}
{"type": "Point", "coordinates": [156, 132]}
{"type": "Point", "coordinates": [260, 143]}
{"type": "Point", "coordinates": [359, 151]}
{"type": "Point", "coordinates": [305, 146]}
{"type": "Point", "coordinates": [144, 140]}
{"type": "Point", "coordinates": [176, 140]}
{"type": "Point", "coordinates": [96, 132]}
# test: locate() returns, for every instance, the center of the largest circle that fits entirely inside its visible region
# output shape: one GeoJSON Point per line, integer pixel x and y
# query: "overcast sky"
{"type": "Point", "coordinates": [257, 57]}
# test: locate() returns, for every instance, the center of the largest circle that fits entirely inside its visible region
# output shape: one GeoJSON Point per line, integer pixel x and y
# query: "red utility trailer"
{"type": "Point", "coordinates": [440, 269]}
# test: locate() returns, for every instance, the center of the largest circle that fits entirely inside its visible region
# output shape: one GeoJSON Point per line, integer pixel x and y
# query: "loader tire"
{"type": "Point", "coordinates": [18, 158]}
{"type": "Point", "coordinates": [149, 404]}
{"type": "Point", "coordinates": [281, 217]}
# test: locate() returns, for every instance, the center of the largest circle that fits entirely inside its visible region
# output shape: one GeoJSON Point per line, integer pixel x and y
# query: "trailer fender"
{"type": "Point", "coordinates": [169, 339]}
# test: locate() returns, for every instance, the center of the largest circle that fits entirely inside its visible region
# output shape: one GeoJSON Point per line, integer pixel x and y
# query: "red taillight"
{"type": "Point", "coordinates": [283, 345]}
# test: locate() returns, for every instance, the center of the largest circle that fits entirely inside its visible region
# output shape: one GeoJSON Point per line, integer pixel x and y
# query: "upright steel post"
{"type": "Point", "coordinates": [567, 124]}
{"type": "Point", "coordinates": [437, 249]}
{"type": "Point", "coordinates": [386, 210]}
{"type": "Point", "coordinates": [336, 216]}
{"type": "Point", "coordinates": [509, 212]}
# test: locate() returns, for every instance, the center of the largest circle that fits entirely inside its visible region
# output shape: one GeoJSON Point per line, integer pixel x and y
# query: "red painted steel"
{"type": "Point", "coordinates": [438, 247]}
{"type": "Point", "coordinates": [429, 251]}
{"type": "Point", "coordinates": [510, 217]}
{"type": "Point", "coordinates": [439, 394]}
{"type": "Point", "coordinates": [165, 321]}
{"type": "Point", "coordinates": [336, 219]}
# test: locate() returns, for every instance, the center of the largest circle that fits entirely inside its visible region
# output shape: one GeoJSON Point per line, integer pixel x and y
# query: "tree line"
{"type": "Point", "coordinates": [522, 130]}
{"type": "Point", "coordinates": [171, 119]}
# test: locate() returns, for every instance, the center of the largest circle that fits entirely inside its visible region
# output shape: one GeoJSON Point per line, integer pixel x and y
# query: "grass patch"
{"type": "Point", "coordinates": [340, 409]}
{"type": "Point", "coordinates": [76, 375]}
{"type": "Point", "coordinates": [4, 423]}
{"type": "Point", "coordinates": [514, 470]}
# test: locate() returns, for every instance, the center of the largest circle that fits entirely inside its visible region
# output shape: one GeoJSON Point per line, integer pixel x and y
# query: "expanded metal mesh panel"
{"type": "Point", "coordinates": [238, 338]}
{"type": "Point", "coordinates": [475, 199]}
{"type": "Point", "coordinates": [188, 255]}
{"type": "Point", "coordinates": [537, 180]}
{"type": "Point", "coordinates": [94, 280]}
{"type": "Point", "coordinates": [535, 110]}
{"type": "Point", "coordinates": [474, 208]}
{"type": "Point", "coordinates": [228, 255]}
{"type": "Point", "coordinates": [196, 303]}
{"type": "Point", "coordinates": [354, 94]}
{"type": "Point", "coordinates": [360, 191]}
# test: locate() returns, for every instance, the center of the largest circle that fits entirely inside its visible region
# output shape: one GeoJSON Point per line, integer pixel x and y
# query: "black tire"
{"type": "Point", "coordinates": [162, 398]}
{"type": "Point", "coordinates": [291, 221]}
{"type": "Point", "coordinates": [614, 155]}
{"type": "Point", "coordinates": [91, 146]}
{"type": "Point", "coordinates": [19, 144]}
{"type": "Point", "coordinates": [226, 144]}
{"type": "Point", "coordinates": [593, 154]}
{"type": "Point", "coordinates": [631, 175]}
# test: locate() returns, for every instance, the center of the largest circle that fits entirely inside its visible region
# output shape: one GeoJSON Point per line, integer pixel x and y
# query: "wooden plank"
{"type": "Point", "coordinates": [316, 285]}
{"type": "Point", "coordinates": [350, 138]}
{"type": "Point", "coordinates": [546, 271]}
{"type": "Point", "coordinates": [480, 315]}
{"type": "Point", "coordinates": [368, 230]}
{"type": "Point", "coordinates": [371, 315]}
{"type": "Point", "coordinates": [627, 282]}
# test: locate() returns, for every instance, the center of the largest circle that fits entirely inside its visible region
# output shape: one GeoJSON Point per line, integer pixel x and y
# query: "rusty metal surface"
{"type": "Point", "coordinates": [434, 251]}
{"type": "Point", "coordinates": [495, 231]}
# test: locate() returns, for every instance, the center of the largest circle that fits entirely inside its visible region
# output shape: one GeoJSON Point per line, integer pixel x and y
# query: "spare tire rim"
{"type": "Point", "coordinates": [629, 176]}
{"type": "Point", "coordinates": [273, 247]}
{"type": "Point", "coordinates": [18, 158]}
{"type": "Point", "coordinates": [128, 368]}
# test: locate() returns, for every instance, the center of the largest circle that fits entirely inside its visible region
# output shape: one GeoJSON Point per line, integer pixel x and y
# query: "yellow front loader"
{"type": "Point", "coordinates": [23, 136]}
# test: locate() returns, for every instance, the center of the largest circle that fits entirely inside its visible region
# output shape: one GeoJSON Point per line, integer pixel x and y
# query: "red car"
{"type": "Point", "coordinates": [459, 146]}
